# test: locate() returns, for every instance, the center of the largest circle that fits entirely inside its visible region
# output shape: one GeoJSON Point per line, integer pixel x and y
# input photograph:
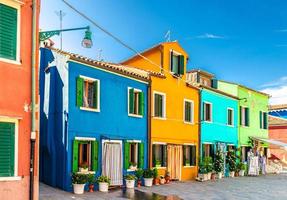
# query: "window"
{"type": "Point", "coordinates": [189, 155]}
{"type": "Point", "coordinates": [207, 107]}
{"type": "Point", "coordinates": [134, 155]}
{"type": "Point", "coordinates": [85, 154]}
{"type": "Point", "coordinates": [208, 150]}
{"type": "Point", "coordinates": [159, 105]}
{"type": "Point", "coordinates": [244, 116]}
{"type": "Point", "coordinates": [188, 111]}
{"type": "Point", "coordinates": [7, 149]}
{"type": "Point", "coordinates": [159, 155]}
{"type": "Point", "coordinates": [230, 117]}
{"type": "Point", "coordinates": [244, 153]}
{"type": "Point", "coordinates": [8, 32]}
{"type": "Point", "coordinates": [263, 120]}
{"type": "Point", "coordinates": [135, 102]}
{"type": "Point", "coordinates": [176, 63]}
{"type": "Point", "coordinates": [88, 93]}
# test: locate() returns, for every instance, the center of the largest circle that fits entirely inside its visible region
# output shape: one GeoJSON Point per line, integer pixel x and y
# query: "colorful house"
{"type": "Point", "coordinates": [219, 115]}
{"type": "Point", "coordinates": [253, 112]}
{"type": "Point", "coordinates": [173, 111]}
{"type": "Point", "coordinates": [18, 130]}
{"type": "Point", "coordinates": [94, 115]}
{"type": "Point", "coordinates": [278, 110]}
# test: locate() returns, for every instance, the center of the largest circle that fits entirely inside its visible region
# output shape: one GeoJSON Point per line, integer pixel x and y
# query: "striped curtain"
{"type": "Point", "coordinates": [174, 159]}
{"type": "Point", "coordinates": [112, 163]}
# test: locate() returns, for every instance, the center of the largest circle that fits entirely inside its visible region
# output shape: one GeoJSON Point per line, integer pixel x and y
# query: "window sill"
{"type": "Point", "coordinates": [131, 170]}
{"type": "Point", "coordinates": [90, 109]}
{"type": "Point", "coordinates": [190, 123]}
{"type": "Point", "coordinates": [13, 178]}
{"type": "Point", "coordinates": [15, 62]}
{"type": "Point", "coordinates": [232, 126]}
{"type": "Point", "coordinates": [89, 172]}
{"type": "Point", "coordinates": [134, 115]}
{"type": "Point", "coordinates": [160, 118]}
{"type": "Point", "coordinates": [188, 167]}
{"type": "Point", "coordinates": [159, 167]}
{"type": "Point", "coordinates": [209, 122]}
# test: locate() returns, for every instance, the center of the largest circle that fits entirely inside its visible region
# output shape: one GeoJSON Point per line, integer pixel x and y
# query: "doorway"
{"type": "Point", "coordinates": [112, 164]}
{"type": "Point", "coordinates": [174, 161]}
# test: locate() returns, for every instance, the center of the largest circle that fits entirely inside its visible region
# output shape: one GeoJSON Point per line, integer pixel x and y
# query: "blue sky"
{"type": "Point", "coordinates": [241, 41]}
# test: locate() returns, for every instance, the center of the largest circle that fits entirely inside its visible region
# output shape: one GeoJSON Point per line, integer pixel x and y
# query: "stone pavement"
{"type": "Point", "coordinates": [263, 187]}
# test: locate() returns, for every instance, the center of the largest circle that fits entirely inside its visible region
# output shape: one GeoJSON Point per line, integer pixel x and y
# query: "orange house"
{"type": "Point", "coordinates": [15, 99]}
{"type": "Point", "coordinates": [173, 111]}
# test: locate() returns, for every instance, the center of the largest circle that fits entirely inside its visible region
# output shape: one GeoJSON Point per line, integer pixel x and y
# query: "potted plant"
{"type": "Point", "coordinates": [83, 168]}
{"type": "Point", "coordinates": [162, 180]}
{"type": "Point", "coordinates": [132, 166]}
{"type": "Point", "coordinates": [209, 166]}
{"type": "Point", "coordinates": [155, 176]}
{"type": "Point", "coordinates": [167, 177]}
{"type": "Point", "coordinates": [104, 183]}
{"type": "Point", "coordinates": [202, 171]}
{"type": "Point", "coordinates": [139, 175]}
{"type": "Point", "coordinates": [157, 163]}
{"type": "Point", "coordinates": [187, 162]}
{"type": "Point", "coordinates": [148, 177]}
{"type": "Point", "coordinates": [91, 181]}
{"type": "Point", "coordinates": [218, 163]}
{"type": "Point", "coordinates": [231, 161]}
{"type": "Point", "coordinates": [130, 181]}
{"type": "Point", "coordinates": [241, 168]}
{"type": "Point", "coordinates": [79, 181]}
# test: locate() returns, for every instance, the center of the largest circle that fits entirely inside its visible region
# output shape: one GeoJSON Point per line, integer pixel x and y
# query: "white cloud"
{"type": "Point", "coordinates": [210, 36]}
{"type": "Point", "coordinates": [277, 90]}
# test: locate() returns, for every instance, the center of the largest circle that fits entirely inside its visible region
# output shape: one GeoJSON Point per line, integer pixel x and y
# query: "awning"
{"type": "Point", "coordinates": [271, 141]}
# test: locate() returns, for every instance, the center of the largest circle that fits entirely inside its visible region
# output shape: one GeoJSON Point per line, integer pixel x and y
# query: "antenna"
{"type": "Point", "coordinates": [167, 36]}
{"type": "Point", "coordinates": [60, 14]}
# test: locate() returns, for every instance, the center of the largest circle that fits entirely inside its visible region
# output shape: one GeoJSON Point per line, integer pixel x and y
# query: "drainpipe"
{"type": "Point", "coordinates": [149, 124]}
{"type": "Point", "coordinates": [199, 125]}
{"type": "Point", "coordinates": [33, 99]}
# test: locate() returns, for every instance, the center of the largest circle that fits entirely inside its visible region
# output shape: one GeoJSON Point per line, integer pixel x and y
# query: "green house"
{"type": "Point", "coordinates": [253, 115]}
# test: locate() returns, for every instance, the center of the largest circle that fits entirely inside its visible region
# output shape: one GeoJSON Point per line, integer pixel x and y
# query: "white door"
{"type": "Point", "coordinates": [112, 164]}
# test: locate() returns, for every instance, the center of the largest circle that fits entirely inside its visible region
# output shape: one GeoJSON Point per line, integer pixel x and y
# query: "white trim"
{"type": "Point", "coordinates": [189, 144]}
{"type": "Point", "coordinates": [134, 141]}
{"type": "Point", "coordinates": [207, 143]}
{"type": "Point", "coordinates": [211, 118]}
{"type": "Point", "coordinates": [230, 144]}
{"type": "Point", "coordinates": [88, 78]}
{"type": "Point", "coordinates": [232, 117]}
{"type": "Point", "coordinates": [112, 141]}
{"type": "Point", "coordinates": [88, 172]}
{"type": "Point", "coordinates": [243, 125]}
{"type": "Point", "coordinates": [10, 117]}
{"type": "Point", "coordinates": [159, 167]}
{"type": "Point", "coordinates": [131, 114]}
{"type": "Point", "coordinates": [189, 166]}
{"type": "Point", "coordinates": [164, 105]}
{"type": "Point", "coordinates": [15, 121]}
{"type": "Point", "coordinates": [145, 82]}
{"type": "Point", "coordinates": [162, 143]}
{"type": "Point", "coordinates": [192, 111]}
{"type": "Point", "coordinates": [12, 178]}
{"type": "Point", "coordinates": [85, 138]}
{"type": "Point", "coordinates": [90, 109]}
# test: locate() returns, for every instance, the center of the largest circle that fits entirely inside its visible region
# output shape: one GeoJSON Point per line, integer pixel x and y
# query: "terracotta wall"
{"type": "Point", "coordinates": [278, 133]}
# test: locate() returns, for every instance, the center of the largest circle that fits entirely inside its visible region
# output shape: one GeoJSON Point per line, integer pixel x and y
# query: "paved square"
{"type": "Point", "coordinates": [263, 187]}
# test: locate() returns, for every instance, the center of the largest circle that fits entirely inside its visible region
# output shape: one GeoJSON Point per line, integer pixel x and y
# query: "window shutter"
{"type": "Point", "coordinates": [80, 86]}
{"type": "Point", "coordinates": [160, 105]}
{"type": "Point", "coordinates": [131, 101]}
{"type": "Point", "coordinates": [141, 104]}
{"type": "Point", "coordinates": [75, 156]}
{"type": "Point", "coordinates": [127, 155]}
{"type": "Point", "coordinates": [202, 150]}
{"type": "Point", "coordinates": [193, 156]}
{"type": "Point", "coordinates": [265, 120]}
{"type": "Point", "coordinates": [95, 97]}
{"type": "Point", "coordinates": [211, 153]}
{"type": "Point", "coordinates": [8, 32]}
{"type": "Point", "coordinates": [7, 149]}
{"type": "Point", "coordinates": [164, 149]}
{"type": "Point", "coordinates": [95, 149]}
{"type": "Point", "coordinates": [171, 61]}
{"type": "Point", "coordinates": [240, 115]}
{"type": "Point", "coordinates": [247, 116]}
{"type": "Point", "coordinates": [184, 155]}
{"type": "Point", "coordinates": [156, 105]}
{"type": "Point", "coordinates": [153, 155]}
{"type": "Point", "coordinates": [260, 119]}
{"type": "Point", "coordinates": [141, 155]}
{"type": "Point", "coordinates": [181, 65]}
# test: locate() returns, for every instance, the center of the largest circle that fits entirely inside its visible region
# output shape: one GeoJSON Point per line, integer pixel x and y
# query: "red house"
{"type": "Point", "coordinates": [18, 99]}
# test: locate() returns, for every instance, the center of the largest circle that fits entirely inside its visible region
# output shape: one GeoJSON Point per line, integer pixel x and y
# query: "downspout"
{"type": "Point", "coordinates": [199, 125]}
{"type": "Point", "coordinates": [149, 124]}
{"type": "Point", "coordinates": [33, 99]}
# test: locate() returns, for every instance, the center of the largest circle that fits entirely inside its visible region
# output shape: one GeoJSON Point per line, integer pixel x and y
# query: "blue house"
{"type": "Point", "coordinates": [218, 115]}
{"type": "Point", "coordinates": [93, 118]}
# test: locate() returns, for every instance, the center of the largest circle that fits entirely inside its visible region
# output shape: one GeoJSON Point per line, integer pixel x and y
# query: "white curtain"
{"type": "Point", "coordinates": [112, 162]}
{"type": "Point", "coordinates": [174, 159]}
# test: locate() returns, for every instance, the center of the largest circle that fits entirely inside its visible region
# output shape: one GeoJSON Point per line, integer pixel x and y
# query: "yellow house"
{"type": "Point", "coordinates": [173, 111]}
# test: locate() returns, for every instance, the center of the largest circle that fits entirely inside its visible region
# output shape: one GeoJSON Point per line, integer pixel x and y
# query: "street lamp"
{"type": "Point", "coordinates": [86, 42]}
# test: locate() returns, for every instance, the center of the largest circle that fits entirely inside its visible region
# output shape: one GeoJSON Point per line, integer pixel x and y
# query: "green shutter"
{"type": "Point", "coordinates": [131, 101]}
{"type": "Point", "coordinates": [75, 156]}
{"type": "Point", "coordinates": [141, 103]}
{"type": "Point", "coordinates": [202, 151]}
{"type": "Point", "coordinates": [141, 155]}
{"type": "Point", "coordinates": [193, 156]}
{"type": "Point", "coordinates": [164, 163]}
{"type": "Point", "coordinates": [127, 155]}
{"type": "Point", "coordinates": [184, 155]}
{"type": "Point", "coordinates": [95, 149]}
{"type": "Point", "coordinates": [156, 105]}
{"type": "Point", "coordinates": [171, 61]}
{"type": "Point", "coordinates": [80, 87]}
{"type": "Point", "coordinates": [247, 116]}
{"type": "Point", "coordinates": [265, 120]}
{"type": "Point", "coordinates": [240, 115]}
{"type": "Point", "coordinates": [7, 148]}
{"type": "Point", "coordinates": [95, 97]}
{"type": "Point", "coordinates": [160, 106]}
{"type": "Point", "coordinates": [8, 32]}
{"type": "Point", "coordinates": [260, 119]}
{"type": "Point", "coordinates": [181, 64]}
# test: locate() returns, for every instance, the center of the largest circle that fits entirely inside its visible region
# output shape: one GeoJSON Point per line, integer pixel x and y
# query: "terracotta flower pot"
{"type": "Point", "coordinates": [91, 188]}
{"type": "Point", "coordinates": [156, 181]}
{"type": "Point", "coordinates": [139, 183]}
{"type": "Point", "coordinates": [167, 179]}
{"type": "Point", "coordinates": [213, 176]}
